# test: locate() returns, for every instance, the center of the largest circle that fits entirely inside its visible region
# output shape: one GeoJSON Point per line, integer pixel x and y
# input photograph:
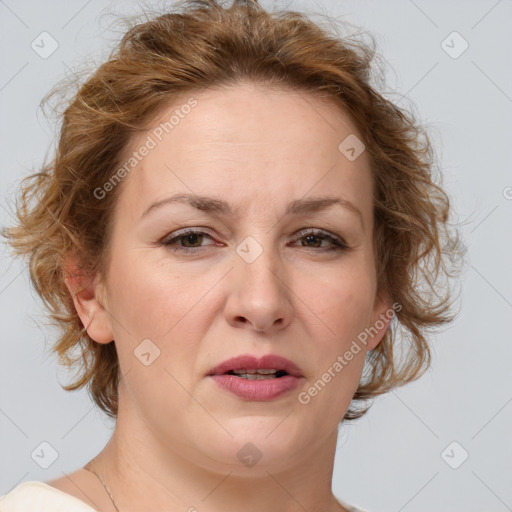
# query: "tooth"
{"type": "Point", "coordinates": [255, 376]}
{"type": "Point", "coordinates": [261, 371]}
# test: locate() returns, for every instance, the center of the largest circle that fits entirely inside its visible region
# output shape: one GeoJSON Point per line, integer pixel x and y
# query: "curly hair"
{"type": "Point", "coordinates": [197, 46]}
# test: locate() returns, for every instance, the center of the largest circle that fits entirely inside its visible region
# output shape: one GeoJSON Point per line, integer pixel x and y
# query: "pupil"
{"type": "Point", "coordinates": [309, 237]}
{"type": "Point", "coordinates": [192, 236]}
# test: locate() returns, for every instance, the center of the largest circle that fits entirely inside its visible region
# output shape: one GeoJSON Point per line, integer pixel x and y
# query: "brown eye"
{"type": "Point", "coordinates": [314, 239]}
{"type": "Point", "coordinates": [190, 238]}
{"type": "Point", "coordinates": [310, 238]}
{"type": "Point", "coordinates": [193, 238]}
{"type": "Point", "coordinates": [190, 241]}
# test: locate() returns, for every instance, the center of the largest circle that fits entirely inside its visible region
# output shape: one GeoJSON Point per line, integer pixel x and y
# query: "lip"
{"type": "Point", "coordinates": [247, 361]}
{"type": "Point", "coordinates": [257, 390]}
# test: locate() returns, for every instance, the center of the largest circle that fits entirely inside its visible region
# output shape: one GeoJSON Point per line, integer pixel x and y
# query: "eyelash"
{"type": "Point", "coordinates": [338, 243]}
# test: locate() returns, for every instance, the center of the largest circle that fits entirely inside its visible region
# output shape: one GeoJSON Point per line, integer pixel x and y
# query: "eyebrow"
{"type": "Point", "coordinates": [212, 205]}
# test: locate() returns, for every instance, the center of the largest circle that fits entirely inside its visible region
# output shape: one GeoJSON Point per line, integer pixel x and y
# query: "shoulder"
{"type": "Point", "coordinates": [346, 506]}
{"type": "Point", "coordinates": [38, 496]}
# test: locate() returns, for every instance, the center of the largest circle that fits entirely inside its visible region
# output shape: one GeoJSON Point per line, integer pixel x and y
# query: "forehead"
{"type": "Point", "coordinates": [251, 144]}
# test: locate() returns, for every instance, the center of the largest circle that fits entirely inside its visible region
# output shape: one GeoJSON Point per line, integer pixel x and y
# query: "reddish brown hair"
{"type": "Point", "coordinates": [202, 45]}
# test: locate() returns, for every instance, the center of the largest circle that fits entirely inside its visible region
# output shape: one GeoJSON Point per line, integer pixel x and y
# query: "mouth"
{"type": "Point", "coordinates": [257, 379]}
{"type": "Point", "coordinates": [258, 374]}
{"type": "Point", "coordinates": [270, 366]}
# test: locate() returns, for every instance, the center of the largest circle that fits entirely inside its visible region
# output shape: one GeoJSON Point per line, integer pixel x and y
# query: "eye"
{"type": "Point", "coordinates": [310, 235]}
{"type": "Point", "coordinates": [192, 239]}
{"type": "Point", "coordinates": [190, 236]}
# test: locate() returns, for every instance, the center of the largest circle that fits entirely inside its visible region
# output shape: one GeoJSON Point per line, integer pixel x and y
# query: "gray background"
{"type": "Point", "coordinates": [396, 457]}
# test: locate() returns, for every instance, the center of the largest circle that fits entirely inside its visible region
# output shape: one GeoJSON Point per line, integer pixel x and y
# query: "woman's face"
{"type": "Point", "coordinates": [254, 281]}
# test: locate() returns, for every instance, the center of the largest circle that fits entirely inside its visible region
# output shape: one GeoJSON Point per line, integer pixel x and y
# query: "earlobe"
{"type": "Point", "coordinates": [85, 290]}
{"type": "Point", "coordinates": [383, 313]}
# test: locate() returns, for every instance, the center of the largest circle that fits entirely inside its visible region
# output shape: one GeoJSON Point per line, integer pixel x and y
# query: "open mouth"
{"type": "Point", "coordinates": [254, 379]}
{"type": "Point", "coordinates": [257, 374]}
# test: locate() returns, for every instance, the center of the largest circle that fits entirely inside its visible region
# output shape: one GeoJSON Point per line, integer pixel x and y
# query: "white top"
{"type": "Point", "coordinates": [34, 496]}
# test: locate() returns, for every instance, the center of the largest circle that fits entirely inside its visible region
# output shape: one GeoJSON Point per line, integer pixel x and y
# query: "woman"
{"type": "Point", "coordinates": [234, 231]}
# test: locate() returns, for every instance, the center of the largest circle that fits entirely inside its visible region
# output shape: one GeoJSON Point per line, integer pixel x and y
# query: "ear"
{"type": "Point", "coordinates": [87, 293]}
{"type": "Point", "coordinates": [383, 313]}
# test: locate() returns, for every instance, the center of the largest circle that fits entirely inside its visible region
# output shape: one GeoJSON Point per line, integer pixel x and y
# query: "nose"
{"type": "Point", "coordinates": [260, 296]}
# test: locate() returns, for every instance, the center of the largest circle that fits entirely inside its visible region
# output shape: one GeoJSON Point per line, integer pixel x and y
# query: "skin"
{"type": "Point", "coordinates": [177, 434]}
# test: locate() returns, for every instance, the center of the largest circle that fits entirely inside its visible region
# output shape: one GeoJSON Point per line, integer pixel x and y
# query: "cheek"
{"type": "Point", "coordinates": [342, 300]}
{"type": "Point", "coordinates": [149, 299]}
{"type": "Point", "coordinates": [155, 325]}
{"type": "Point", "coordinates": [343, 305]}
{"type": "Point", "coordinates": [170, 306]}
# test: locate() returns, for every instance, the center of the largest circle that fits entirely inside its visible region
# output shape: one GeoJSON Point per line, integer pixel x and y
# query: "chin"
{"type": "Point", "coordinates": [258, 444]}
